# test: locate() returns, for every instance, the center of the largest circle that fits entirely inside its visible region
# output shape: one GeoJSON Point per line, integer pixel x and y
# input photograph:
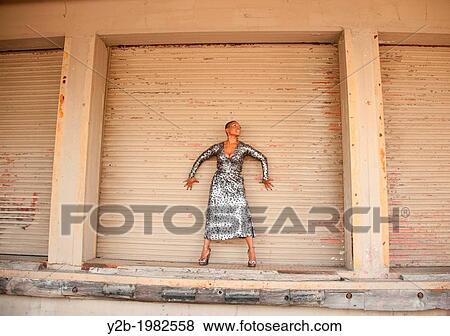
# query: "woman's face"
{"type": "Point", "coordinates": [234, 129]}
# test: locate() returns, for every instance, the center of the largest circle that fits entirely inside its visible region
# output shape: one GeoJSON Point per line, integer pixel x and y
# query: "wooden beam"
{"type": "Point", "coordinates": [365, 180]}
{"type": "Point", "coordinates": [228, 283]}
{"type": "Point", "coordinates": [77, 148]}
{"type": "Point", "coordinates": [425, 277]}
{"type": "Point", "coordinates": [369, 299]}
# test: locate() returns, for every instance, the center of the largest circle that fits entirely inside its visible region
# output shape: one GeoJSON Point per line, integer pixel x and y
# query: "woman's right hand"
{"type": "Point", "coordinates": [190, 182]}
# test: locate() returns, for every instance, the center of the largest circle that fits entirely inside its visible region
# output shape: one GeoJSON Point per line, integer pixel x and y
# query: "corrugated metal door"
{"type": "Point", "coordinates": [416, 91]}
{"type": "Point", "coordinates": [29, 89]}
{"type": "Point", "coordinates": [166, 104]}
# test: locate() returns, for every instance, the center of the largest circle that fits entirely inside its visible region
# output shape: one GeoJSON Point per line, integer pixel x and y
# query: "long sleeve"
{"type": "Point", "coordinates": [261, 157]}
{"type": "Point", "coordinates": [211, 151]}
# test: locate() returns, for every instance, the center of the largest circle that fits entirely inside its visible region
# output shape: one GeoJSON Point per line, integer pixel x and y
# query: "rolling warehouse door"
{"type": "Point", "coordinates": [416, 91]}
{"type": "Point", "coordinates": [29, 89]}
{"type": "Point", "coordinates": [166, 104]}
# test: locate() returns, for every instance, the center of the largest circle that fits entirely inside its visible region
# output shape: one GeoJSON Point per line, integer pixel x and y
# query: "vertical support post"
{"type": "Point", "coordinates": [365, 179]}
{"type": "Point", "coordinates": [76, 163]}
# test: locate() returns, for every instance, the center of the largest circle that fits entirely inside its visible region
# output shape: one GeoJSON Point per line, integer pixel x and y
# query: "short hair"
{"type": "Point", "coordinates": [229, 123]}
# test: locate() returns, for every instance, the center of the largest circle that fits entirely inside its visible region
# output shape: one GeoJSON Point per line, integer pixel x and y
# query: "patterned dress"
{"type": "Point", "coordinates": [228, 214]}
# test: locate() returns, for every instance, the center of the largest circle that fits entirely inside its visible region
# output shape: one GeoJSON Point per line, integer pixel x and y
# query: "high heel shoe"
{"type": "Point", "coordinates": [204, 261]}
{"type": "Point", "coordinates": [251, 263]}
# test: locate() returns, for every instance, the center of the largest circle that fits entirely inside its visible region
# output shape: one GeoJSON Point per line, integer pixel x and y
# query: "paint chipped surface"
{"type": "Point", "coordinates": [28, 112]}
{"type": "Point", "coordinates": [416, 87]}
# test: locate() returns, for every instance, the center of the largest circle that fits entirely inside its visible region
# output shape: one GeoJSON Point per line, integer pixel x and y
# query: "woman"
{"type": "Point", "coordinates": [228, 215]}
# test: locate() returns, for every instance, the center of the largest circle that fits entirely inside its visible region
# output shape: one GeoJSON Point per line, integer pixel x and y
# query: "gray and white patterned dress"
{"type": "Point", "coordinates": [228, 214]}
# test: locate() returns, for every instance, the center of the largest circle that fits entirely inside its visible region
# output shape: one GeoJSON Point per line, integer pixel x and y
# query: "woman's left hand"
{"type": "Point", "coordinates": [267, 184]}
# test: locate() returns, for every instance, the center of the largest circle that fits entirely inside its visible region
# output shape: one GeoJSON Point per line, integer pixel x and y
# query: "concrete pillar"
{"type": "Point", "coordinates": [77, 146]}
{"type": "Point", "coordinates": [365, 180]}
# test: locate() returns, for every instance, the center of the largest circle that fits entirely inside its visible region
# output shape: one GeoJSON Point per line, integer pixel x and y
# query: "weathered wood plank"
{"type": "Point", "coordinates": [123, 291]}
{"type": "Point", "coordinates": [344, 300]}
{"type": "Point", "coordinates": [3, 284]}
{"type": "Point", "coordinates": [405, 300]}
{"type": "Point", "coordinates": [371, 299]}
{"type": "Point", "coordinates": [179, 294]}
{"type": "Point", "coordinates": [210, 295]}
{"type": "Point", "coordinates": [242, 296]}
{"type": "Point", "coordinates": [148, 293]}
{"type": "Point", "coordinates": [227, 283]}
{"type": "Point", "coordinates": [208, 273]}
{"type": "Point", "coordinates": [22, 265]}
{"type": "Point", "coordinates": [306, 297]}
{"type": "Point", "coordinates": [32, 287]}
{"type": "Point", "coordinates": [425, 277]}
{"type": "Point", "coordinates": [82, 288]}
{"type": "Point", "coordinates": [274, 297]}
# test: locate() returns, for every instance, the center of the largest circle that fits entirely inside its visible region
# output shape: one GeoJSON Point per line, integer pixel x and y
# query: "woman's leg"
{"type": "Point", "coordinates": [251, 249]}
{"type": "Point", "coordinates": [205, 251]}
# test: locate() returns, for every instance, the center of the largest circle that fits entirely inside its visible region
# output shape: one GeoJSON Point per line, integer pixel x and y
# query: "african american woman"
{"type": "Point", "coordinates": [228, 214]}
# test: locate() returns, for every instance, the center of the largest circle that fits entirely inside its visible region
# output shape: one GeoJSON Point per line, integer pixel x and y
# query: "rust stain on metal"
{"type": "Point", "coordinates": [331, 240]}
{"type": "Point", "coordinates": [34, 200]}
{"type": "Point", "coordinates": [336, 113]}
{"type": "Point", "coordinates": [276, 145]}
{"type": "Point", "coordinates": [61, 106]}
{"type": "Point", "coordinates": [6, 176]}
{"type": "Point", "coordinates": [334, 127]}
{"type": "Point", "coordinates": [383, 160]}
{"type": "Point", "coordinates": [29, 212]}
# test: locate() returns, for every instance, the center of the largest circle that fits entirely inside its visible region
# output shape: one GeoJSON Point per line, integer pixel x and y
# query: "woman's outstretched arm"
{"type": "Point", "coordinates": [211, 151]}
{"type": "Point", "coordinates": [261, 157]}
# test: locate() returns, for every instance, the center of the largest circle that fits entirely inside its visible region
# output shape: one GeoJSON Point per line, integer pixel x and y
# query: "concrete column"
{"type": "Point", "coordinates": [365, 180]}
{"type": "Point", "coordinates": [77, 146]}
